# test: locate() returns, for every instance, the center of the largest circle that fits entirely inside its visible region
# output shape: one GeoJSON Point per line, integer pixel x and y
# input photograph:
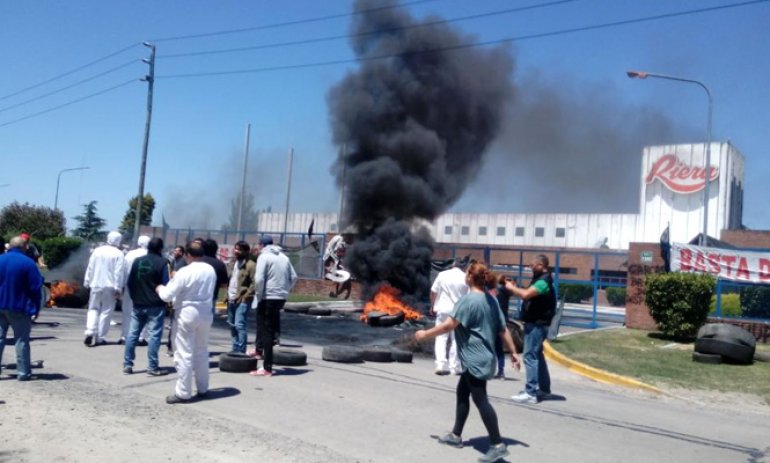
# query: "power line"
{"type": "Point", "coordinates": [366, 33]}
{"type": "Point", "coordinates": [59, 90]}
{"type": "Point", "coordinates": [72, 71]}
{"type": "Point", "coordinates": [287, 23]}
{"type": "Point", "coordinates": [78, 100]}
{"type": "Point", "coordinates": [470, 45]}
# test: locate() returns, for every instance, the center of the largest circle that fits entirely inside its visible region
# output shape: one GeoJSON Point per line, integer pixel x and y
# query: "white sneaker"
{"type": "Point", "coordinates": [524, 398]}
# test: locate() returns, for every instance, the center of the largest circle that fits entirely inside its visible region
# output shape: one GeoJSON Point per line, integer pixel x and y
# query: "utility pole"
{"type": "Point", "coordinates": [243, 180]}
{"type": "Point", "coordinates": [150, 79]}
{"type": "Point", "coordinates": [288, 195]}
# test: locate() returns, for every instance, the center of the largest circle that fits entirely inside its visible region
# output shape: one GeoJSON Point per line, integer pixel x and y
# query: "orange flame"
{"type": "Point", "coordinates": [386, 300]}
{"type": "Point", "coordinates": [61, 289]}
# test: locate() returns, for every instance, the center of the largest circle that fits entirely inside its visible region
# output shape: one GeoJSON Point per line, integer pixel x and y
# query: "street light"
{"type": "Point", "coordinates": [58, 179]}
{"type": "Point", "coordinates": [644, 75]}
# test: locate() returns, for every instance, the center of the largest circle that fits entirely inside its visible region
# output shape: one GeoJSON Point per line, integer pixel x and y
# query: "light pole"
{"type": "Point", "coordinates": [644, 75]}
{"type": "Point", "coordinates": [58, 179]}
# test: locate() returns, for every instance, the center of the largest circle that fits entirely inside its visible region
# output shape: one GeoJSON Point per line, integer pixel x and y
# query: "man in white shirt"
{"type": "Point", "coordinates": [104, 276]}
{"type": "Point", "coordinates": [448, 287]}
{"type": "Point", "coordinates": [192, 291]}
{"type": "Point", "coordinates": [127, 304]}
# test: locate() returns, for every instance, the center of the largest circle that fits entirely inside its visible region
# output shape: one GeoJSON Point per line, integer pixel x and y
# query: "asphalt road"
{"type": "Point", "coordinates": [82, 408]}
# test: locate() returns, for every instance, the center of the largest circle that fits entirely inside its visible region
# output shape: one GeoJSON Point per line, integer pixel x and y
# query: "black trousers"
{"type": "Point", "coordinates": [268, 326]}
{"type": "Point", "coordinates": [471, 387]}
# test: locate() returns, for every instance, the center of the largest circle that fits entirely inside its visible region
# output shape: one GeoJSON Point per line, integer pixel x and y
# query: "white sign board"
{"type": "Point", "coordinates": [727, 264]}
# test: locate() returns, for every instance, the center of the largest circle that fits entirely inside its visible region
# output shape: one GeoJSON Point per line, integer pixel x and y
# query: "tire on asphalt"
{"type": "Point", "coordinates": [392, 320]}
{"type": "Point", "coordinates": [373, 317]}
{"type": "Point", "coordinates": [236, 362]}
{"type": "Point", "coordinates": [377, 354]}
{"type": "Point", "coordinates": [727, 332]}
{"type": "Point", "coordinates": [343, 354]}
{"type": "Point", "coordinates": [297, 308]}
{"type": "Point", "coordinates": [762, 356]}
{"type": "Point", "coordinates": [319, 310]}
{"type": "Point", "coordinates": [713, 359]}
{"type": "Point", "coordinates": [730, 352]}
{"type": "Point", "coordinates": [401, 356]}
{"type": "Point", "coordinates": [289, 357]}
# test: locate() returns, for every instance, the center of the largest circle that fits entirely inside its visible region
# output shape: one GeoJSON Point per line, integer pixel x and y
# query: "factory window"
{"type": "Point", "coordinates": [334, 227]}
{"type": "Point", "coordinates": [560, 232]}
{"type": "Point", "coordinates": [482, 231]}
{"type": "Point", "coordinates": [448, 230]}
{"type": "Point", "coordinates": [500, 231]}
{"type": "Point", "coordinates": [539, 232]}
{"type": "Point", "coordinates": [465, 231]}
{"type": "Point", "coordinates": [519, 231]}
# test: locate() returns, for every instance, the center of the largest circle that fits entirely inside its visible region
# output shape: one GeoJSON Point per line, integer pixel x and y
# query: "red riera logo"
{"type": "Point", "coordinates": [678, 176]}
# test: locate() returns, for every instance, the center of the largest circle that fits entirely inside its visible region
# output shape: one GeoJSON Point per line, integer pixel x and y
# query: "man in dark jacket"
{"type": "Point", "coordinates": [147, 272]}
{"type": "Point", "coordinates": [240, 294]}
{"type": "Point", "coordinates": [20, 284]}
{"type": "Point", "coordinates": [538, 311]}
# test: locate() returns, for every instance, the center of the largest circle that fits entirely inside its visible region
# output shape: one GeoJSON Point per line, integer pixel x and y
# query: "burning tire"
{"type": "Point", "coordinates": [297, 308]}
{"type": "Point", "coordinates": [373, 318]}
{"type": "Point", "coordinates": [712, 359]}
{"type": "Point", "coordinates": [392, 320]}
{"type": "Point", "coordinates": [736, 353]}
{"type": "Point", "coordinates": [343, 354]}
{"type": "Point", "coordinates": [320, 311]}
{"type": "Point", "coordinates": [401, 356]}
{"type": "Point", "coordinates": [378, 354]}
{"type": "Point", "coordinates": [289, 357]}
{"type": "Point", "coordinates": [236, 362]}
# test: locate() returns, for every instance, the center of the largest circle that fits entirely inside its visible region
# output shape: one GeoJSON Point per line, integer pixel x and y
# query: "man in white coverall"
{"type": "Point", "coordinates": [448, 287]}
{"type": "Point", "coordinates": [192, 290]}
{"type": "Point", "coordinates": [127, 303]}
{"type": "Point", "coordinates": [104, 276]}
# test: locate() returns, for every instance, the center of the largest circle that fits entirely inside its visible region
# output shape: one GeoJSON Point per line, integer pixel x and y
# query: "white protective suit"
{"type": "Point", "coordinates": [128, 303]}
{"type": "Point", "coordinates": [448, 287]}
{"type": "Point", "coordinates": [104, 276]}
{"type": "Point", "coordinates": [192, 290]}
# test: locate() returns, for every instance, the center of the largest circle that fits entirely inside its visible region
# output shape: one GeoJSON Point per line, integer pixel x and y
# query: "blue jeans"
{"type": "Point", "coordinates": [236, 318]}
{"type": "Point", "coordinates": [534, 360]}
{"type": "Point", "coordinates": [153, 318]}
{"type": "Point", "coordinates": [22, 325]}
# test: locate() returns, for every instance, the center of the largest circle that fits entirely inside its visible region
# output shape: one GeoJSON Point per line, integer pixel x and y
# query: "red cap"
{"type": "Point", "coordinates": [25, 236]}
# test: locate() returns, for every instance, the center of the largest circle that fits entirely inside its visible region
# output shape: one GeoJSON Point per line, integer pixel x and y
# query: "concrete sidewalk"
{"type": "Point", "coordinates": [85, 409]}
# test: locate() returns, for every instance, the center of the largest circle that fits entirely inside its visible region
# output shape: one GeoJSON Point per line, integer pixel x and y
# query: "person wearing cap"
{"type": "Point", "coordinates": [20, 285]}
{"type": "Point", "coordinates": [448, 287]}
{"type": "Point", "coordinates": [127, 303]}
{"type": "Point", "coordinates": [273, 280]}
{"type": "Point", "coordinates": [31, 250]}
{"type": "Point", "coordinates": [104, 276]}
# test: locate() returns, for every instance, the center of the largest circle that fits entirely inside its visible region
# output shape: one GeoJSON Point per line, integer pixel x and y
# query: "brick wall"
{"type": "Point", "coordinates": [323, 287]}
{"type": "Point", "coordinates": [637, 312]}
{"type": "Point", "coordinates": [747, 238]}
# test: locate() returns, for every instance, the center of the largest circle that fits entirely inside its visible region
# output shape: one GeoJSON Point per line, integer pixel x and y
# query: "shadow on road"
{"type": "Point", "coordinates": [284, 371]}
{"type": "Point", "coordinates": [40, 377]}
{"type": "Point", "coordinates": [220, 393]}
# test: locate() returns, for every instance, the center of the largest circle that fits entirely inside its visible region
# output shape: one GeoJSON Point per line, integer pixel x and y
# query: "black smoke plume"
{"type": "Point", "coordinates": [415, 119]}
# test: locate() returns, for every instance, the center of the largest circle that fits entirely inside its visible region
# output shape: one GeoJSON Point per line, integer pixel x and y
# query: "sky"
{"type": "Point", "coordinates": [571, 140]}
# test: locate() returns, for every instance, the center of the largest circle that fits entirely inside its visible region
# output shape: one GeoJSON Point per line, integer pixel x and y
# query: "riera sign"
{"type": "Point", "coordinates": [678, 176]}
{"type": "Point", "coordinates": [726, 264]}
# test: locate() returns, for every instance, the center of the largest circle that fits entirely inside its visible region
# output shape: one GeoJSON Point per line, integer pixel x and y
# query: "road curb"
{"type": "Point", "coordinates": [595, 373]}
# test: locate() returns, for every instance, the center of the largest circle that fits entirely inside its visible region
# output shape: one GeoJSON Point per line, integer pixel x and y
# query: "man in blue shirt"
{"type": "Point", "coordinates": [20, 284]}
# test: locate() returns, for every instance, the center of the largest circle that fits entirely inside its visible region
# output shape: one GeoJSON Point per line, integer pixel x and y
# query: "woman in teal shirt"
{"type": "Point", "coordinates": [475, 326]}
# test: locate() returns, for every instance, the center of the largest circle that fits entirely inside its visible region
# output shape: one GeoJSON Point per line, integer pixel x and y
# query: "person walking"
{"type": "Point", "coordinates": [191, 289]}
{"type": "Point", "coordinates": [146, 273]}
{"type": "Point", "coordinates": [476, 321]}
{"type": "Point", "coordinates": [273, 280]}
{"type": "Point", "coordinates": [104, 276]}
{"type": "Point", "coordinates": [537, 312]}
{"type": "Point", "coordinates": [448, 287]}
{"type": "Point", "coordinates": [20, 285]}
{"type": "Point", "coordinates": [126, 302]}
{"type": "Point", "coordinates": [240, 294]}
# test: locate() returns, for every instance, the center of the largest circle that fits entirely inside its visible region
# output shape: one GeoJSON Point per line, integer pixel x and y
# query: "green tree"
{"type": "Point", "coordinates": [148, 206]}
{"type": "Point", "coordinates": [249, 219]}
{"type": "Point", "coordinates": [90, 224]}
{"type": "Point", "coordinates": [39, 221]}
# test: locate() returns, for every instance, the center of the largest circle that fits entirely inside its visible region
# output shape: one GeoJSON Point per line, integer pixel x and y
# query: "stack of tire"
{"type": "Point", "coordinates": [722, 342]}
{"type": "Point", "coordinates": [236, 362]}
{"type": "Point", "coordinates": [353, 354]}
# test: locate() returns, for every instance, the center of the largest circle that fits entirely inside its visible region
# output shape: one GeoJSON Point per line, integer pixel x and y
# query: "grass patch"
{"type": "Point", "coordinates": [642, 355]}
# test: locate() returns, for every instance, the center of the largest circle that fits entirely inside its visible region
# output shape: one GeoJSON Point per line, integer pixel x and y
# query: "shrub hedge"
{"type": "Point", "coordinates": [731, 305]}
{"type": "Point", "coordinates": [616, 296]}
{"type": "Point", "coordinates": [56, 250]}
{"type": "Point", "coordinates": [755, 301]}
{"type": "Point", "coordinates": [679, 302]}
{"type": "Point", "coordinates": [575, 293]}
